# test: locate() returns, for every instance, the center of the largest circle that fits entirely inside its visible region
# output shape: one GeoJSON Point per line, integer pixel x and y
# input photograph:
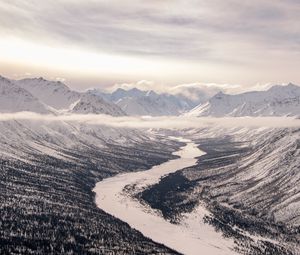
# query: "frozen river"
{"type": "Point", "coordinates": [191, 236]}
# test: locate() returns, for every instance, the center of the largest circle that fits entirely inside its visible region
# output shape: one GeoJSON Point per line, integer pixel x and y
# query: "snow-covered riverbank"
{"type": "Point", "coordinates": [191, 236]}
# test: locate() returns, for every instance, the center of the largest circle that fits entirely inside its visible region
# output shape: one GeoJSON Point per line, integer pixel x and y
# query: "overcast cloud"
{"type": "Point", "coordinates": [208, 40]}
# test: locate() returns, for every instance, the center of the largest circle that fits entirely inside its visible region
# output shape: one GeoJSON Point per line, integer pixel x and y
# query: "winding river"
{"type": "Point", "coordinates": [191, 236]}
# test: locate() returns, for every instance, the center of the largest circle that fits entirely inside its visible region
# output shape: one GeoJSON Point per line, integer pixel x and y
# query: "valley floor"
{"type": "Point", "coordinates": [189, 237]}
{"type": "Point", "coordinates": [238, 191]}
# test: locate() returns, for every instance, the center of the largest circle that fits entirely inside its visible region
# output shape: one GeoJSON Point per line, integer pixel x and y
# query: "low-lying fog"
{"type": "Point", "coordinates": [166, 122]}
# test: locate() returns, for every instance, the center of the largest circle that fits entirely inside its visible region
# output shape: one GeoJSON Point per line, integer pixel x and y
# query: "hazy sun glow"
{"type": "Point", "coordinates": [82, 61]}
{"type": "Point", "coordinates": [72, 59]}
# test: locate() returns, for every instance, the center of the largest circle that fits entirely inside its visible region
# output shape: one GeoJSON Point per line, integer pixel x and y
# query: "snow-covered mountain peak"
{"type": "Point", "coordinates": [93, 104]}
{"type": "Point", "coordinates": [135, 91]}
{"type": "Point", "coordinates": [219, 95]}
{"type": "Point", "coordinates": [287, 90]}
{"type": "Point", "coordinates": [277, 101]}
{"type": "Point", "coordinates": [142, 102]}
{"type": "Point", "coordinates": [43, 82]}
{"type": "Point", "coordinates": [15, 99]}
{"type": "Point", "coordinates": [121, 93]}
{"type": "Point", "coordinates": [151, 93]}
{"type": "Point", "coordinates": [3, 78]}
{"type": "Point", "coordinates": [291, 85]}
{"type": "Point", "coordinates": [53, 93]}
{"type": "Point", "coordinates": [139, 102]}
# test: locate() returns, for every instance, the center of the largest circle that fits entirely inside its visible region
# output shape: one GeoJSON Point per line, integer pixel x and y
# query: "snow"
{"type": "Point", "coordinates": [189, 237]}
{"type": "Point", "coordinates": [93, 104]}
{"type": "Point", "coordinates": [14, 99]}
{"type": "Point", "coordinates": [270, 171]}
{"type": "Point", "coordinates": [22, 137]}
{"type": "Point", "coordinates": [277, 101]}
{"type": "Point", "coordinates": [137, 102]}
{"type": "Point", "coordinates": [45, 95]}
{"type": "Point", "coordinates": [53, 93]}
{"type": "Point", "coordinates": [57, 95]}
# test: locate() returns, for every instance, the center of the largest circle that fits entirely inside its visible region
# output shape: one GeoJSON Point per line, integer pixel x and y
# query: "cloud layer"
{"type": "Point", "coordinates": [167, 122]}
{"type": "Point", "coordinates": [179, 28]}
{"type": "Point", "coordinates": [200, 40]}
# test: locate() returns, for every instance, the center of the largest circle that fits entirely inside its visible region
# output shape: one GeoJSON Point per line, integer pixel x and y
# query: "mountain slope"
{"type": "Point", "coordinates": [138, 102]}
{"type": "Point", "coordinates": [248, 179]}
{"type": "Point", "coordinates": [61, 97]}
{"type": "Point", "coordinates": [52, 93]}
{"type": "Point", "coordinates": [152, 104]}
{"type": "Point", "coordinates": [15, 99]}
{"type": "Point", "coordinates": [277, 101]}
{"type": "Point", "coordinates": [89, 103]}
{"type": "Point", "coordinates": [47, 173]}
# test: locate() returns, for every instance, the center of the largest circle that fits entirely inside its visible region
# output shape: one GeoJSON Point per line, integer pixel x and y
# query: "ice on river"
{"type": "Point", "coordinates": [191, 236]}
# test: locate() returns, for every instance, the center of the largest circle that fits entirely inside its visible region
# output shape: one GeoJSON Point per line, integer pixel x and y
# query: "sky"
{"type": "Point", "coordinates": [99, 43]}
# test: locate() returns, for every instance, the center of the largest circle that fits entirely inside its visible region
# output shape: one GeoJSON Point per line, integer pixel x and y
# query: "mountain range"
{"type": "Point", "coordinates": [138, 102]}
{"type": "Point", "coordinates": [277, 101]}
{"type": "Point", "coordinates": [43, 96]}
